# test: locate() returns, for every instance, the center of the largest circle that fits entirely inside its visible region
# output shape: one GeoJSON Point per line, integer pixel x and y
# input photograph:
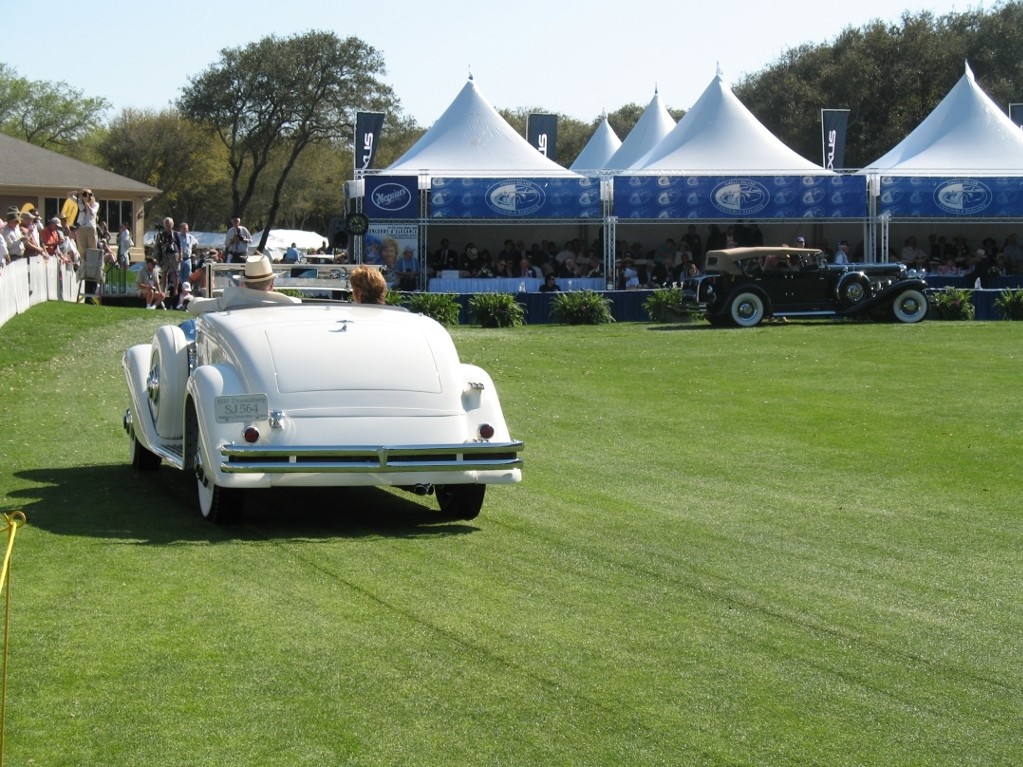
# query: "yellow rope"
{"type": "Point", "coordinates": [14, 521]}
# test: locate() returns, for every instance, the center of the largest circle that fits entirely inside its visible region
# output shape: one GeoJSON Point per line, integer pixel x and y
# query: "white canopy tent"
{"type": "Point", "coordinates": [281, 239]}
{"type": "Point", "coordinates": [720, 135]}
{"type": "Point", "coordinates": [471, 137]}
{"type": "Point", "coordinates": [966, 133]}
{"type": "Point", "coordinates": [598, 150]}
{"type": "Point", "coordinates": [653, 125]}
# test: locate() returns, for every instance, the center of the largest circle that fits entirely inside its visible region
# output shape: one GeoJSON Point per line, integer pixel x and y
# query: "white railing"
{"type": "Point", "coordinates": [27, 282]}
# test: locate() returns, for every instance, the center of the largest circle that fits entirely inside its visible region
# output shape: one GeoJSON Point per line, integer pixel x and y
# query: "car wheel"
{"type": "Point", "coordinates": [222, 505]}
{"type": "Point", "coordinates": [461, 501]}
{"type": "Point", "coordinates": [910, 306]}
{"type": "Point", "coordinates": [168, 376]}
{"type": "Point", "coordinates": [747, 309]}
{"type": "Point", "coordinates": [141, 458]}
{"type": "Point", "coordinates": [852, 289]}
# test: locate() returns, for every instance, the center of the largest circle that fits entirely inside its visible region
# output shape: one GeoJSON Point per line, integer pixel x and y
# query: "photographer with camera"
{"type": "Point", "coordinates": [236, 244]}
{"type": "Point", "coordinates": [166, 252]}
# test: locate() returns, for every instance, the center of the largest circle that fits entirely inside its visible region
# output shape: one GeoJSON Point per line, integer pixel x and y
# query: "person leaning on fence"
{"type": "Point", "coordinates": [256, 289]}
{"type": "Point", "coordinates": [368, 285]}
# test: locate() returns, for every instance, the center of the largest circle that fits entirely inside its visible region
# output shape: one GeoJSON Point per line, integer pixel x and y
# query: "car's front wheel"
{"type": "Point", "coordinates": [222, 505]}
{"type": "Point", "coordinates": [910, 306]}
{"type": "Point", "coordinates": [461, 501]}
{"type": "Point", "coordinates": [747, 309]}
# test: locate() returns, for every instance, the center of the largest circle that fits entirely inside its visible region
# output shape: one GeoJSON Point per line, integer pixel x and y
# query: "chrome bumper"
{"type": "Point", "coordinates": [269, 459]}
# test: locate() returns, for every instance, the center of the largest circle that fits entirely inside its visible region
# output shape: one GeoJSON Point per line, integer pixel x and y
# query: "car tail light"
{"type": "Point", "coordinates": [251, 434]}
{"type": "Point", "coordinates": [486, 431]}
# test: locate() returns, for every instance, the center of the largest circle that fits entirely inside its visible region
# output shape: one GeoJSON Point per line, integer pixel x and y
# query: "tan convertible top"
{"type": "Point", "coordinates": [725, 260]}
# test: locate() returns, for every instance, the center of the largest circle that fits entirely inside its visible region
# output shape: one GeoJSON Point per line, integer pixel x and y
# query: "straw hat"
{"type": "Point", "coordinates": [257, 269]}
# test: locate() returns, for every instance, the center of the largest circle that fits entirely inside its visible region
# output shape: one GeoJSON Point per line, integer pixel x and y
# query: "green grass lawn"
{"type": "Point", "coordinates": [793, 545]}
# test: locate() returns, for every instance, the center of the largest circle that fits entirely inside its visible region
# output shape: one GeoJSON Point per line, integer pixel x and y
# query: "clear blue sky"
{"type": "Point", "coordinates": [575, 57]}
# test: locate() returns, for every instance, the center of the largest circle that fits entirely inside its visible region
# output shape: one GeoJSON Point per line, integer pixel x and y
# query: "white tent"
{"type": "Point", "coordinates": [281, 239]}
{"type": "Point", "coordinates": [472, 137]}
{"type": "Point", "coordinates": [653, 125]}
{"type": "Point", "coordinates": [720, 135]}
{"type": "Point", "coordinates": [598, 150]}
{"type": "Point", "coordinates": [966, 133]}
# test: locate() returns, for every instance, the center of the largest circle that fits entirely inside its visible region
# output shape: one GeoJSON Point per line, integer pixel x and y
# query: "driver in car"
{"type": "Point", "coordinates": [256, 289]}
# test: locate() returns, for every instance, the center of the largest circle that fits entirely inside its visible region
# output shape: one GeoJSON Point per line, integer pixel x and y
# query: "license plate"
{"type": "Point", "coordinates": [242, 407]}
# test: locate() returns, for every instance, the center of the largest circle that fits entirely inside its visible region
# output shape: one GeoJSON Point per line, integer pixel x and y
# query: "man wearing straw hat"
{"type": "Point", "coordinates": [256, 289]}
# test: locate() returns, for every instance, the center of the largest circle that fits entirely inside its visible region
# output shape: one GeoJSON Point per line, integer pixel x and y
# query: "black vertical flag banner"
{"type": "Point", "coordinates": [1016, 114]}
{"type": "Point", "coordinates": [542, 133]}
{"type": "Point", "coordinates": [834, 124]}
{"type": "Point", "coordinates": [367, 136]}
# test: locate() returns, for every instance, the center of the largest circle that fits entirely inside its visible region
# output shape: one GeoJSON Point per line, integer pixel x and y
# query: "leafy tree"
{"type": "Point", "coordinates": [51, 115]}
{"type": "Point", "coordinates": [284, 95]}
{"type": "Point", "coordinates": [167, 150]}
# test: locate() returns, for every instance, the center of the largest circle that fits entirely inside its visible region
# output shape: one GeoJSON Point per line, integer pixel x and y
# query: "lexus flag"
{"type": "Point", "coordinates": [542, 133]}
{"type": "Point", "coordinates": [834, 123]}
{"type": "Point", "coordinates": [367, 136]}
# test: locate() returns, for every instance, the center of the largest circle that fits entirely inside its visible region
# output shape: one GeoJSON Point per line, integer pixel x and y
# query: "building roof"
{"type": "Point", "coordinates": [27, 166]}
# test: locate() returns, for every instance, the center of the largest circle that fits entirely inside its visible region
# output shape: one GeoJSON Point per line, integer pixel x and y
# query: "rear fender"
{"type": "Point", "coordinates": [480, 401]}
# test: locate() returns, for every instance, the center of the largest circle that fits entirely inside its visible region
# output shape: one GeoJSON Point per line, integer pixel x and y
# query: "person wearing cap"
{"type": "Point", "coordinates": [256, 289]}
{"type": "Point", "coordinates": [30, 232]}
{"type": "Point", "coordinates": [149, 285]}
{"type": "Point", "coordinates": [52, 237]}
{"type": "Point", "coordinates": [842, 254]}
{"type": "Point", "coordinates": [800, 242]}
{"type": "Point", "coordinates": [12, 236]}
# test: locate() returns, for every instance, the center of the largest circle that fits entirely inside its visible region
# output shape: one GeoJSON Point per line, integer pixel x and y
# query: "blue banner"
{"type": "Point", "coordinates": [391, 197]}
{"type": "Point", "coordinates": [367, 137]}
{"type": "Point", "coordinates": [515, 198]}
{"type": "Point", "coordinates": [740, 197]}
{"type": "Point", "coordinates": [944, 197]}
{"type": "Point", "coordinates": [542, 134]}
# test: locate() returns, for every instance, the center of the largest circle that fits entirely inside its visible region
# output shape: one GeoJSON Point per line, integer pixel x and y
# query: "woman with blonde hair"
{"type": "Point", "coordinates": [368, 285]}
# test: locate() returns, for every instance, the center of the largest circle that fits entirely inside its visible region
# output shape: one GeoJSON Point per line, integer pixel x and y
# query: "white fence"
{"type": "Point", "coordinates": [27, 282]}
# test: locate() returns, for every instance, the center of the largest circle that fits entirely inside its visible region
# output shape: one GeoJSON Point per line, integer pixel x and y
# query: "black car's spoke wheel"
{"type": "Point", "coordinates": [222, 505]}
{"type": "Point", "coordinates": [910, 306]}
{"type": "Point", "coordinates": [461, 501]}
{"type": "Point", "coordinates": [852, 289]}
{"type": "Point", "coordinates": [747, 309]}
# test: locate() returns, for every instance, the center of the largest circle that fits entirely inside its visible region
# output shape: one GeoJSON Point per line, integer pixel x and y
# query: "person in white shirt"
{"type": "Point", "coordinates": [88, 215]}
{"type": "Point", "coordinates": [842, 254]}
{"type": "Point", "coordinates": [256, 289]}
{"type": "Point", "coordinates": [124, 244]}
{"type": "Point", "coordinates": [236, 243]}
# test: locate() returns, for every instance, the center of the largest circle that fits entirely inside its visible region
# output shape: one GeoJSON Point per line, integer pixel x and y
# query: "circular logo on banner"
{"type": "Point", "coordinates": [962, 196]}
{"type": "Point", "coordinates": [515, 197]}
{"type": "Point", "coordinates": [391, 197]}
{"type": "Point", "coordinates": [740, 197]}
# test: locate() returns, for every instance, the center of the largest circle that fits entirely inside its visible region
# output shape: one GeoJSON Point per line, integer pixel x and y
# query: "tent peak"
{"type": "Point", "coordinates": [969, 71]}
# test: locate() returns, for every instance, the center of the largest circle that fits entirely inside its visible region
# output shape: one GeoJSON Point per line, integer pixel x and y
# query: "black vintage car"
{"type": "Point", "coordinates": [745, 286]}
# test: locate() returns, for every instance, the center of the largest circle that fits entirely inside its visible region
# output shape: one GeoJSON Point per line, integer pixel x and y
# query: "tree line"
{"type": "Point", "coordinates": [267, 130]}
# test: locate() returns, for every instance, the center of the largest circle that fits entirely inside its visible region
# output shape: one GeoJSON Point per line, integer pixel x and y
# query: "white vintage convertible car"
{"type": "Point", "coordinates": [328, 394]}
